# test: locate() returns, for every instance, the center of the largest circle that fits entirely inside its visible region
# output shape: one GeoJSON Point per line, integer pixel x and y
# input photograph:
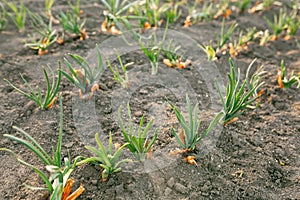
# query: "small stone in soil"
{"type": "Point", "coordinates": [94, 182]}
{"type": "Point", "coordinates": [143, 91]}
{"type": "Point", "coordinates": [167, 191]}
{"type": "Point", "coordinates": [171, 182]}
{"type": "Point", "coordinates": [180, 188]}
{"type": "Point", "coordinates": [138, 113]}
{"type": "Point", "coordinates": [120, 189]}
{"type": "Point", "coordinates": [69, 144]}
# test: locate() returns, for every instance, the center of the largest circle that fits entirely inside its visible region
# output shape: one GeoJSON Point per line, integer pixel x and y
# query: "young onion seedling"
{"type": "Point", "coordinates": [173, 13]}
{"type": "Point", "coordinates": [207, 12]}
{"type": "Point", "coordinates": [108, 159]}
{"type": "Point", "coordinates": [19, 14]}
{"type": "Point", "coordinates": [238, 97]}
{"type": "Point", "coordinates": [117, 76]}
{"type": "Point", "coordinates": [225, 35]}
{"type": "Point", "coordinates": [189, 136]}
{"type": "Point", "coordinates": [284, 81]}
{"type": "Point", "coordinates": [43, 101]}
{"type": "Point", "coordinates": [209, 50]}
{"type": "Point", "coordinates": [243, 5]}
{"type": "Point", "coordinates": [48, 7]}
{"type": "Point", "coordinates": [242, 43]}
{"type": "Point", "coordinates": [47, 35]}
{"type": "Point", "coordinates": [139, 143]}
{"type": "Point", "coordinates": [114, 15]}
{"type": "Point", "coordinates": [150, 13]}
{"type": "Point", "coordinates": [173, 58]}
{"type": "Point", "coordinates": [58, 181]}
{"type": "Point", "coordinates": [86, 77]}
{"type": "Point", "coordinates": [279, 23]}
{"type": "Point", "coordinates": [76, 8]}
{"type": "Point", "coordinates": [3, 20]}
{"type": "Point", "coordinates": [152, 51]}
{"type": "Point", "coordinates": [254, 80]}
{"type": "Point", "coordinates": [70, 23]}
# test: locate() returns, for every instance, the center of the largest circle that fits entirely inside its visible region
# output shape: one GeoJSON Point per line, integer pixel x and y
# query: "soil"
{"type": "Point", "coordinates": [256, 157]}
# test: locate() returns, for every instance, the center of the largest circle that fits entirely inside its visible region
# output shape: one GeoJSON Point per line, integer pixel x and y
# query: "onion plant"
{"type": "Point", "coordinates": [172, 58]}
{"type": "Point", "coordinates": [279, 23]}
{"type": "Point", "coordinates": [117, 76]}
{"type": "Point", "coordinates": [242, 42]}
{"type": "Point", "coordinates": [86, 77]}
{"type": "Point", "coordinates": [48, 7]}
{"type": "Point", "coordinates": [139, 143]}
{"type": "Point", "coordinates": [284, 81]}
{"type": "Point", "coordinates": [46, 100]}
{"type": "Point", "coordinates": [150, 13]}
{"type": "Point", "coordinates": [152, 52]}
{"type": "Point", "coordinates": [59, 174]}
{"type": "Point", "coordinates": [243, 5]}
{"type": "Point", "coordinates": [76, 8]}
{"type": "Point", "coordinates": [209, 50]}
{"type": "Point", "coordinates": [207, 12]}
{"type": "Point", "coordinates": [238, 96]}
{"type": "Point", "coordinates": [224, 37]}
{"type": "Point", "coordinates": [3, 19]}
{"type": "Point", "coordinates": [108, 159]}
{"type": "Point", "coordinates": [267, 4]}
{"type": "Point", "coordinates": [47, 35]}
{"type": "Point", "coordinates": [189, 136]}
{"type": "Point", "coordinates": [153, 49]}
{"type": "Point", "coordinates": [115, 15]}
{"type": "Point", "coordinates": [173, 12]}
{"type": "Point", "coordinates": [18, 14]}
{"type": "Point", "coordinates": [225, 34]}
{"type": "Point", "coordinates": [71, 24]}
{"type": "Point", "coordinates": [256, 78]}
{"type": "Point", "coordinates": [171, 53]}
{"type": "Point", "coordinates": [293, 21]}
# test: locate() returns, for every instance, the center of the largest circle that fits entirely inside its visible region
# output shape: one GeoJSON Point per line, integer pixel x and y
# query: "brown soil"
{"type": "Point", "coordinates": [257, 157]}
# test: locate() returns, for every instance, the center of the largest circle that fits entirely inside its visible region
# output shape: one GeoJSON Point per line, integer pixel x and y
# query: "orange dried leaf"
{"type": "Point", "coordinates": [188, 22]}
{"type": "Point", "coordinates": [160, 22]}
{"type": "Point", "coordinates": [187, 63]}
{"type": "Point", "coordinates": [67, 188]}
{"type": "Point", "coordinates": [83, 35]}
{"type": "Point", "coordinates": [226, 13]}
{"type": "Point", "coordinates": [261, 92]}
{"type": "Point", "coordinates": [147, 25]}
{"type": "Point", "coordinates": [103, 26]}
{"type": "Point", "coordinates": [178, 151]}
{"type": "Point", "coordinates": [182, 136]}
{"type": "Point", "coordinates": [95, 87]}
{"type": "Point", "coordinates": [149, 153]}
{"type": "Point", "coordinates": [231, 121]}
{"type": "Point", "coordinates": [50, 105]}
{"type": "Point", "coordinates": [274, 38]}
{"type": "Point", "coordinates": [42, 52]}
{"type": "Point", "coordinates": [167, 62]}
{"type": "Point", "coordinates": [76, 194]}
{"type": "Point", "coordinates": [113, 30]}
{"type": "Point", "coordinates": [117, 145]}
{"type": "Point", "coordinates": [191, 160]}
{"type": "Point", "coordinates": [80, 12]}
{"type": "Point", "coordinates": [279, 80]}
{"type": "Point", "coordinates": [60, 40]}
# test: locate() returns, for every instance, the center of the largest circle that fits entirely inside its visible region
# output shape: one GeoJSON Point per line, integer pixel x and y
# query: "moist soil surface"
{"type": "Point", "coordinates": [256, 157]}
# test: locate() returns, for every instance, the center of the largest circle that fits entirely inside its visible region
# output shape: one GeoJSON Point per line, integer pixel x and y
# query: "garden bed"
{"type": "Point", "coordinates": [256, 157]}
